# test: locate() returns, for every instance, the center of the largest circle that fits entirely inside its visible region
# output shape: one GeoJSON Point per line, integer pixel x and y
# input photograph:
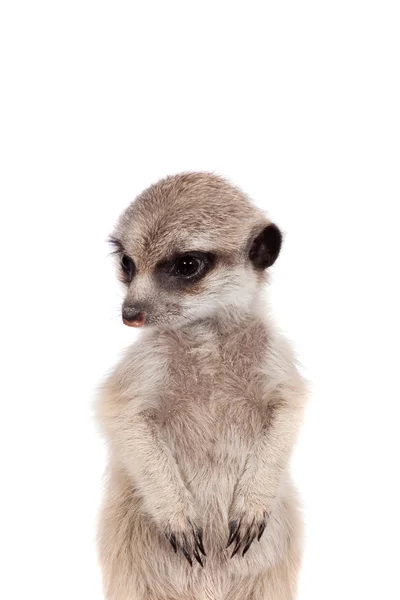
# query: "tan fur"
{"type": "Point", "coordinates": [201, 413]}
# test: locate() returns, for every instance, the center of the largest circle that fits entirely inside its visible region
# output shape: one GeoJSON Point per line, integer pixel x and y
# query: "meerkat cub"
{"type": "Point", "coordinates": [203, 410]}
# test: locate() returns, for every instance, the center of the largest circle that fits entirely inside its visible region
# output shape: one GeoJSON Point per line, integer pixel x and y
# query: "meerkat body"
{"type": "Point", "coordinates": [202, 411]}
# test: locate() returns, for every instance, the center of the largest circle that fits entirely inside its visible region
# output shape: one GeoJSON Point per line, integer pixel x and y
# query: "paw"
{"type": "Point", "coordinates": [186, 536]}
{"type": "Point", "coordinates": [245, 527]}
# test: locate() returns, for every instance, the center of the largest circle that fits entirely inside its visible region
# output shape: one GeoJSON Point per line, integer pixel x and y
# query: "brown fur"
{"type": "Point", "coordinates": [201, 413]}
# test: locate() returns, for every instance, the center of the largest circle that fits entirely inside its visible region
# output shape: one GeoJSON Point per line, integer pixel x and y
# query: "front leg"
{"type": "Point", "coordinates": [137, 445]}
{"type": "Point", "coordinates": [157, 477]}
{"type": "Point", "coordinates": [257, 488]}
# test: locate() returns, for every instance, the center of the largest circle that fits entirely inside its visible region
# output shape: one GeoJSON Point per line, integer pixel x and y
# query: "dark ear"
{"type": "Point", "coordinates": [266, 247]}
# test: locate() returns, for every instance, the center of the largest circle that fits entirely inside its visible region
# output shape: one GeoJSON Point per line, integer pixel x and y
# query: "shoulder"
{"type": "Point", "coordinates": [133, 384]}
{"type": "Point", "coordinates": [281, 366]}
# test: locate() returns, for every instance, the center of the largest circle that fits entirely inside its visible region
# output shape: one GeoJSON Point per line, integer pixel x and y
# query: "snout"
{"type": "Point", "coordinates": [133, 316]}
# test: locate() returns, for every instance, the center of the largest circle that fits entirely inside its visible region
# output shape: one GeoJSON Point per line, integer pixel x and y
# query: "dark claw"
{"type": "Point", "coordinates": [187, 556]}
{"type": "Point", "coordinates": [236, 547]}
{"type": "Point", "coordinates": [197, 557]}
{"type": "Point", "coordinates": [199, 541]}
{"type": "Point", "coordinates": [249, 543]}
{"type": "Point", "coordinates": [233, 529]}
{"type": "Point", "coordinates": [261, 530]}
{"type": "Point", "coordinates": [186, 551]}
{"type": "Point", "coordinates": [172, 540]}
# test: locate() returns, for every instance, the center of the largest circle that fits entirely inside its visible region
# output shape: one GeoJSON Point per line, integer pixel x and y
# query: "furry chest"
{"type": "Point", "coordinates": [209, 423]}
{"type": "Point", "coordinates": [209, 405]}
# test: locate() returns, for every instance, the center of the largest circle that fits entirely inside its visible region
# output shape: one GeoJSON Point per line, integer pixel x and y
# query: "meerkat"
{"type": "Point", "coordinates": [202, 412]}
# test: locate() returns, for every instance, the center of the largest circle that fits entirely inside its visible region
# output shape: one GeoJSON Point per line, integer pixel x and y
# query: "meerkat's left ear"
{"type": "Point", "coordinates": [265, 247]}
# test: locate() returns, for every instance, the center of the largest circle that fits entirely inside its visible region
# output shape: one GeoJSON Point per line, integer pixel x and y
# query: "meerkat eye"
{"type": "Point", "coordinates": [187, 266]}
{"type": "Point", "coordinates": [128, 266]}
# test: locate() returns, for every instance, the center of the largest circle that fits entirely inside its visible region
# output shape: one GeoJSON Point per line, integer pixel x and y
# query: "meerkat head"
{"type": "Point", "coordinates": [191, 247]}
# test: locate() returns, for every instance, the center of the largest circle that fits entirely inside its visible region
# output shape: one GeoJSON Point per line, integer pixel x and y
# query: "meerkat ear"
{"type": "Point", "coordinates": [265, 247]}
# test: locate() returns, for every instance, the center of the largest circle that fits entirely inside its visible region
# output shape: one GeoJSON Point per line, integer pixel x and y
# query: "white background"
{"type": "Point", "coordinates": [298, 103]}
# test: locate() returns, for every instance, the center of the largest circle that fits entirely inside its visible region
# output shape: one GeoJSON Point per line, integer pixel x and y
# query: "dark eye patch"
{"type": "Point", "coordinates": [128, 267]}
{"type": "Point", "coordinates": [185, 269]}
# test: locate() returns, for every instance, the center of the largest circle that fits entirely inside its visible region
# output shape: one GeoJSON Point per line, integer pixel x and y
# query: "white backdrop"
{"type": "Point", "coordinates": [298, 103]}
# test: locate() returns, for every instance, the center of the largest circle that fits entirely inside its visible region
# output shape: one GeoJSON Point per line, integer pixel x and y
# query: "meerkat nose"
{"type": "Point", "coordinates": [134, 320]}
